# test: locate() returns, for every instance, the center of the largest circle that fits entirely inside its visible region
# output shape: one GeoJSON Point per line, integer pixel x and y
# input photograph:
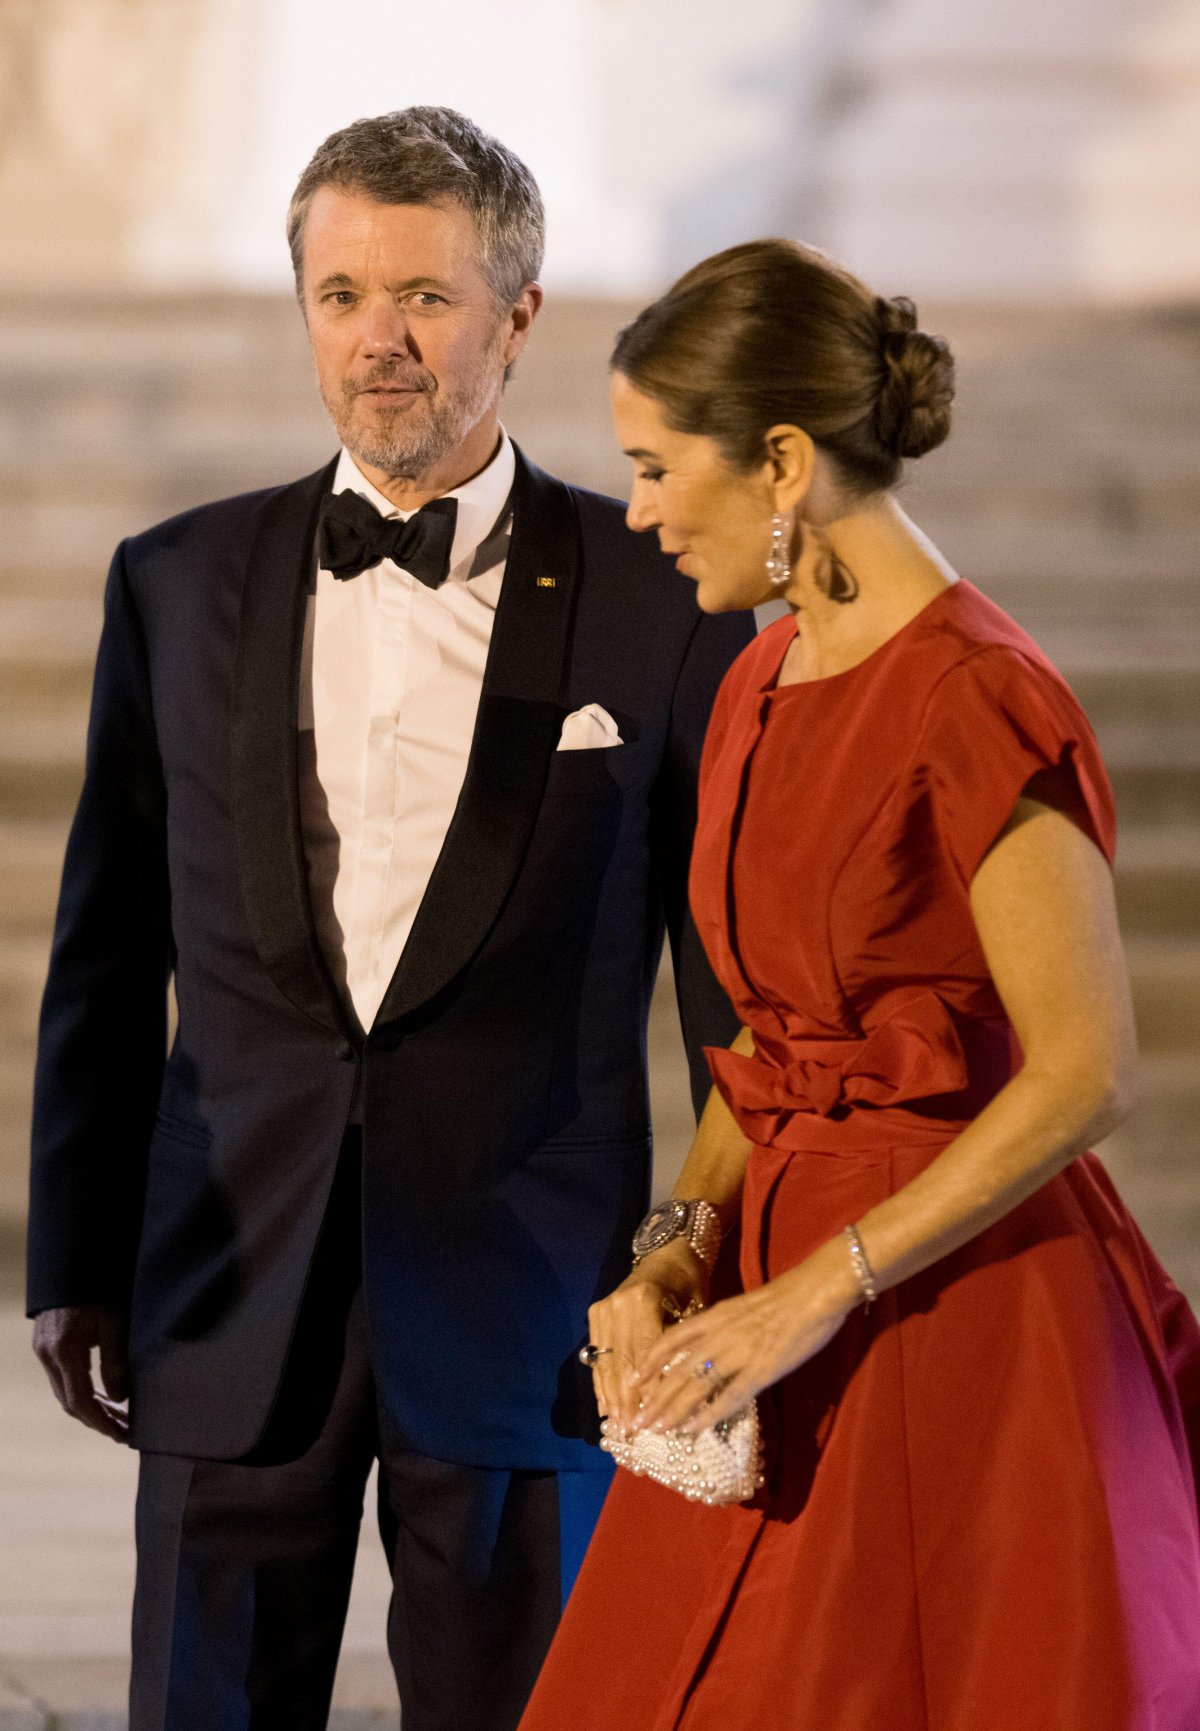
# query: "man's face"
{"type": "Point", "coordinates": [409, 347]}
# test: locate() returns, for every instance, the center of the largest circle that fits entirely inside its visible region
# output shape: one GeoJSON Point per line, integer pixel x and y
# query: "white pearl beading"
{"type": "Point", "coordinates": [722, 1464]}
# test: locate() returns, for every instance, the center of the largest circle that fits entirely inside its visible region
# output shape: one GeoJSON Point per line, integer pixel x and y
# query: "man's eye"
{"type": "Point", "coordinates": [341, 297]}
{"type": "Point", "coordinates": [427, 298]}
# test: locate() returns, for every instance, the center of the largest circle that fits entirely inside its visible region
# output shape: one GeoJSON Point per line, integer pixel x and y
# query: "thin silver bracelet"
{"type": "Point", "coordinates": [863, 1272]}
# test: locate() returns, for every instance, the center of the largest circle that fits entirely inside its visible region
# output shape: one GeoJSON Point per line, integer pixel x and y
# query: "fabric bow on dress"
{"type": "Point", "coordinates": [914, 1054]}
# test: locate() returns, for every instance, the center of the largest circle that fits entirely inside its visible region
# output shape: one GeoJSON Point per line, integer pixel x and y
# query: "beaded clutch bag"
{"type": "Point", "coordinates": [722, 1464]}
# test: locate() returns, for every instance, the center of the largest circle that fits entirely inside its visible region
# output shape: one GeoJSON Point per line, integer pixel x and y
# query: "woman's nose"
{"type": "Point", "coordinates": [641, 514]}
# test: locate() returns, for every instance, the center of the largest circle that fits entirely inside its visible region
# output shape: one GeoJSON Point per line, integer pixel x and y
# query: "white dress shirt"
{"type": "Point", "coordinates": [389, 690]}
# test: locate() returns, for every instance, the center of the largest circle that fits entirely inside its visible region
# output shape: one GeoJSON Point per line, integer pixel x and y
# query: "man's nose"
{"type": "Point", "coordinates": [386, 331]}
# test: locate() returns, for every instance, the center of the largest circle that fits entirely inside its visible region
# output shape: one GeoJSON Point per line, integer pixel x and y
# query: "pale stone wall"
{"type": "Point", "coordinates": [123, 124]}
{"type": "Point", "coordinates": [1018, 153]}
{"type": "Point", "coordinates": [155, 142]}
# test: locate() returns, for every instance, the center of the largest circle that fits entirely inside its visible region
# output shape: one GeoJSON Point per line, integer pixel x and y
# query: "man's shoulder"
{"type": "Point", "coordinates": [229, 522]}
{"type": "Point", "coordinates": [601, 518]}
{"type": "Point", "coordinates": [606, 539]}
{"type": "Point", "coordinates": [604, 517]}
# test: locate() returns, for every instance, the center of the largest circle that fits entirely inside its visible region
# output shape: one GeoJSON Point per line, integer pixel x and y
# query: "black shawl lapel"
{"type": "Point", "coordinates": [266, 793]}
{"type": "Point", "coordinates": [516, 732]}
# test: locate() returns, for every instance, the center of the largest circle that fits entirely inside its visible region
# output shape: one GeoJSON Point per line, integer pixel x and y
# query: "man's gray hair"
{"type": "Point", "coordinates": [427, 156]}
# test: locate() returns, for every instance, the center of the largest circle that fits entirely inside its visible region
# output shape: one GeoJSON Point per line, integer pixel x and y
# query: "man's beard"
{"type": "Point", "coordinates": [406, 442]}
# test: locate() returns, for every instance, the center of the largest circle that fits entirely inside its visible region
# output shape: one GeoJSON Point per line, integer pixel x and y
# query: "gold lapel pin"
{"type": "Point", "coordinates": [547, 582]}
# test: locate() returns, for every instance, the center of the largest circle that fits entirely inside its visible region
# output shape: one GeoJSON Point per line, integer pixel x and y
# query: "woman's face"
{"type": "Point", "coordinates": [713, 520]}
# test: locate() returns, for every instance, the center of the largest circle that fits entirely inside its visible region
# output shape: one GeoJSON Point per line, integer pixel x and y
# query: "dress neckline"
{"type": "Point", "coordinates": [773, 689]}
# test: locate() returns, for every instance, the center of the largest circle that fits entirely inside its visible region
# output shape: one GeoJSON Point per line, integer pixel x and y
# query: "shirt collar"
{"type": "Point", "coordinates": [481, 500]}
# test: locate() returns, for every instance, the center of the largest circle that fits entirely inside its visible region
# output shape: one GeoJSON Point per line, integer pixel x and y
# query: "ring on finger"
{"type": "Point", "coordinates": [590, 1353]}
{"type": "Point", "coordinates": [675, 1361]}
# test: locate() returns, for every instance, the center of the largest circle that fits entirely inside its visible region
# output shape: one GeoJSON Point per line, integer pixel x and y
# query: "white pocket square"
{"type": "Point", "coordinates": [587, 728]}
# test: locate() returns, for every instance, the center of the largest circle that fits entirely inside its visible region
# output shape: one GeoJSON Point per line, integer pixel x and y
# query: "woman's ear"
{"type": "Point", "coordinates": [791, 456]}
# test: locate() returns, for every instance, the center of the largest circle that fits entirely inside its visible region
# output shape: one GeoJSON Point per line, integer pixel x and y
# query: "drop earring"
{"type": "Point", "coordinates": [779, 566]}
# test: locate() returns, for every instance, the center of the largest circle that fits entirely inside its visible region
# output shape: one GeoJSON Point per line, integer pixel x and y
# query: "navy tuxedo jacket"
{"type": "Point", "coordinates": [506, 1132]}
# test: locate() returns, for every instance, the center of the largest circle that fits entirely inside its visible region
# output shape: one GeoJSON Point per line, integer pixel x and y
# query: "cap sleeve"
{"type": "Point", "coordinates": [997, 721]}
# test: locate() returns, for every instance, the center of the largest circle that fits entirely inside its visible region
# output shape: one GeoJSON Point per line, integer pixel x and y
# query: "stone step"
{"type": "Point", "coordinates": [37, 792]}
{"type": "Point", "coordinates": [1118, 696]}
{"type": "Point", "coordinates": [1162, 1133]}
{"type": "Point", "coordinates": [84, 1693]}
{"type": "Point", "coordinates": [1158, 882]}
{"type": "Point", "coordinates": [31, 856]}
{"type": "Point", "coordinates": [23, 963]}
{"type": "Point", "coordinates": [1165, 976]}
{"type": "Point", "coordinates": [1148, 797]}
{"type": "Point", "coordinates": [1153, 1159]}
{"type": "Point", "coordinates": [39, 633]}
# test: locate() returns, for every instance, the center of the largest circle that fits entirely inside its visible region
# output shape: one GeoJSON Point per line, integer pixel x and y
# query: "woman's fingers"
{"type": "Point", "coordinates": [689, 1394]}
{"type": "Point", "coordinates": [599, 1347]}
{"type": "Point", "coordinates": [629, 1392]}
{"type": "Point", "coordinates": [623, 1328]}
{"type": "Point", "coordinates": [702, 1371]}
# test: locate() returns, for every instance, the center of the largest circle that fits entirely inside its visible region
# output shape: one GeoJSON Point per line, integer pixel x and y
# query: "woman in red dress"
{"type": "Point", "coordinates": [979, 1510]}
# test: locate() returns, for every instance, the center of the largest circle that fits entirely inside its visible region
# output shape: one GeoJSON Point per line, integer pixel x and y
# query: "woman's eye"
{"type": "Point", "coordinates": [650, 474]}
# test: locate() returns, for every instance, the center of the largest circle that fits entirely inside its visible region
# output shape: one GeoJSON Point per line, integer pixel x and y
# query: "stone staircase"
{"type": "Point", "coordinates": [1069, 492]}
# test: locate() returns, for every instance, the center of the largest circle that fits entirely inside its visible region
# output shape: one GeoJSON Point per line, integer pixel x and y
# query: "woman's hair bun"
{"type": "Point", "coordinates": [912, 415]}
{"type": "Point", "coordinates": [774, 333]}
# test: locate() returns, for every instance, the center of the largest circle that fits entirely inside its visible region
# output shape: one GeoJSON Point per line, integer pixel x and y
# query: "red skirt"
{"type": "Point", "coordinates": [980, 1512]}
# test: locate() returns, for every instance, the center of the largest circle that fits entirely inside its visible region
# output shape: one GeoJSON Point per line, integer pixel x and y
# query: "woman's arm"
{"type": "Point", "coordinates": [1043, 906]}
{"type": "Point", "coordinates": [630, 1320]}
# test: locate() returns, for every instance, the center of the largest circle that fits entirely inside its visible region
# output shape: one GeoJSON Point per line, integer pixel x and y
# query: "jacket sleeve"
{"type": "Point", "coordinates": [706, 1015]}
{"type": "Point", "coordinates": [102, 1036]}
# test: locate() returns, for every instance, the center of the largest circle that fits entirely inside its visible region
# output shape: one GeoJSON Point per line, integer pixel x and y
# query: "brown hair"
{"type": "Point", "coordinates": [774, 333]}
{"type": "Point", "coordinates": [427, 156]}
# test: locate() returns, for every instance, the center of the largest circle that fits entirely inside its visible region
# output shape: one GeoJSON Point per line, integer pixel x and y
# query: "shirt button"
{"type": "Point", "coordinates": [345, 1052]}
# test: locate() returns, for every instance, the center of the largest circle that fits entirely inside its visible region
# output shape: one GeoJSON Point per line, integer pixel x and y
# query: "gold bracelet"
{"type": "Point", "coordinates": [863, 1272]}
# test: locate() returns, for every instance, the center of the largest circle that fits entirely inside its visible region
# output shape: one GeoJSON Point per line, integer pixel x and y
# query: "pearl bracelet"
{"type": "Point", "coordinates": [863, 1272]}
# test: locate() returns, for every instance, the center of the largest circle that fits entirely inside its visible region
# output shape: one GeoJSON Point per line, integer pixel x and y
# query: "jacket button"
{"type": "Point", "coordinates": [345, 1052]}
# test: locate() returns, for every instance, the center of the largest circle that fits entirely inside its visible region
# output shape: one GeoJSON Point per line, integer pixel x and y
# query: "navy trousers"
{"type": "Point", "coordinates": [244, 1568]}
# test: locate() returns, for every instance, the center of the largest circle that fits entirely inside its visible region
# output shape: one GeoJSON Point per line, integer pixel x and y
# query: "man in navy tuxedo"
{"type": "Point", "coordinates": [392, 769]}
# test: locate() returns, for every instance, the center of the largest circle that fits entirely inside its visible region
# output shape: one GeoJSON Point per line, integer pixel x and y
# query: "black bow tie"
{"type": "Point", "coordinates": [354, 537]}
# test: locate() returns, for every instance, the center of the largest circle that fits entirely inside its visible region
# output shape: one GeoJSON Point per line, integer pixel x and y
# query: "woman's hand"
{"type": "Point", "coordinates": [627, 1324]}
{"type": "Point", "coordinates": [710, 1365]}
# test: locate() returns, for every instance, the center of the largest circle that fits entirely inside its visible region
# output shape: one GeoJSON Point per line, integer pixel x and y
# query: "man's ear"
{"type": "Point", "coordinates": [791, 456]}
{"type": "Point", "coordinates": [524, 310]}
